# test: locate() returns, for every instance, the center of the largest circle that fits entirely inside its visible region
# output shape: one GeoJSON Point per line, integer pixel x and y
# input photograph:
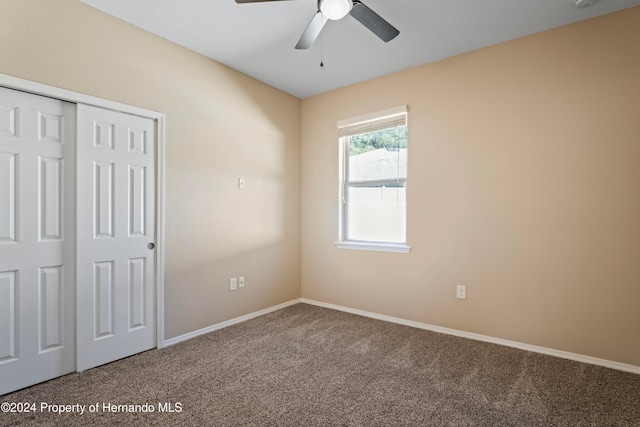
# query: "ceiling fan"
{"type": "Point", "coordinates": [338, 9]}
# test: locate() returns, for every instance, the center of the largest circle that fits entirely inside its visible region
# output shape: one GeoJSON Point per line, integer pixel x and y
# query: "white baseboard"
{"type": "Point", "coordinates": [528, 347]}
{"type": "Point", "coordinates": [522, 346]}
{"type": "Point", "coordinates": [226, 323]}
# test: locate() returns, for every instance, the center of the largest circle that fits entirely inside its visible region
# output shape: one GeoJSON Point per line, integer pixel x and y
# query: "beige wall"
{"type": "Point", "coordinates": [523, 178]}
{"type": "Point", "coordinates": [524, 185]}
{"type": "Point", "coordinates": [220, 125]}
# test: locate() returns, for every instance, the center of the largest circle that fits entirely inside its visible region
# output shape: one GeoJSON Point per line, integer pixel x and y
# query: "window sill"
{"type": "Point", "coordinates": [379, 247]}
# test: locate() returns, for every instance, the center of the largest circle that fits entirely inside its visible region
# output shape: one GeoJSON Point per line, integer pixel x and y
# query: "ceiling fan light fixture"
{"type": "Point", "coordinates": [335, 9]}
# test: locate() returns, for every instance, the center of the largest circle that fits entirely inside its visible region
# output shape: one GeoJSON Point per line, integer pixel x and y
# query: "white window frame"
{"type": "Point", "coordinates": [371, 122]}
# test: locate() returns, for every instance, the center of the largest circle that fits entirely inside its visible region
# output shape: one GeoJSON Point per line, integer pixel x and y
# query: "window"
{"type": "Point", "coordinates": [373, 181]}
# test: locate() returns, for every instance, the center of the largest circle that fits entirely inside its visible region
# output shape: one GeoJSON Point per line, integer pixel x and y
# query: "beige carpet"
{"type": "Point", "coordinates": [310, 366]}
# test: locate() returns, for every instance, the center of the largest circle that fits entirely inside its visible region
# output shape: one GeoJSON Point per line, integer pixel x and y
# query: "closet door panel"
{"type": "Point", "coordinates": [116, 231]}
{"type": "Point", "coordinates": [37, 300]}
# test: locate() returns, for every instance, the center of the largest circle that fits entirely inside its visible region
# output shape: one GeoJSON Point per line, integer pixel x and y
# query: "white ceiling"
{"type": "Point", "coordinates": [258, 39]}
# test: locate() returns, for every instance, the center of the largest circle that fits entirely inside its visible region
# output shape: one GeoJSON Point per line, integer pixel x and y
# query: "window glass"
{"type": "Point", "coordinates": [377, 213]}
{"type": "Point", "coordinates": [374, 198]}
{"type": "Point", "coordinates": [378, 155]}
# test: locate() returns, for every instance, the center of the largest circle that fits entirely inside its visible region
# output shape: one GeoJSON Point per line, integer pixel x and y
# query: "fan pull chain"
{"type": "Point", "coordinates": [321, 50]}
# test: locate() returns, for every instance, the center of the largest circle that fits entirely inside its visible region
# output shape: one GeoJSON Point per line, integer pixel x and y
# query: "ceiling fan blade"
{"type": "Point", "coordinates": [374, 22]}
{"type": "Point", "coordinates": [312, 32]}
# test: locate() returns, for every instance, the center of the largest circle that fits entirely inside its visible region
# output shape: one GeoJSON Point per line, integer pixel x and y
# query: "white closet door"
{"type": "Point", "coordinates": [37, 329]}
{"type": "Point", "coordinates": [116, 313]}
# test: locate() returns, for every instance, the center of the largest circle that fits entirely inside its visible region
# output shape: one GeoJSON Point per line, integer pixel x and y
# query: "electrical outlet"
{"type": "Point", "coordinates": [232, 284]}
{"type": "Point", "coordinates": [241, 282]}
{"type": "Point", "coordinates": [461, 292]}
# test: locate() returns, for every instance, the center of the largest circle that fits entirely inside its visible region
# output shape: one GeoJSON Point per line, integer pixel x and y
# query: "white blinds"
{"type": "Point", "coordinates": [373, 122]}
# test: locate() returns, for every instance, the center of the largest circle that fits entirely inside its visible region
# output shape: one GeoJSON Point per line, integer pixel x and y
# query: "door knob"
{"type": "Point", "coordinates": [151, 245]}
